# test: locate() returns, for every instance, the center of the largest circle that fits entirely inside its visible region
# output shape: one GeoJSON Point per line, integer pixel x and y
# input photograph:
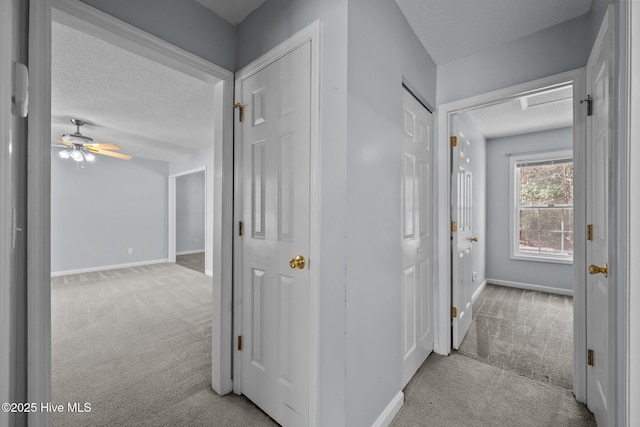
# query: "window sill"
{"type": "Point", "coordinates": [545, 259]}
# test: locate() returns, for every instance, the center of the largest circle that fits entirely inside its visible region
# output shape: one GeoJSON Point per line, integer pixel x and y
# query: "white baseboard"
{"type": "Point", "coordinates": [530, 287]}
{"type": "Point", "coordinates": [390, 411]}
{"type": "Point", "coordinates": [195, 251]}
{"type": "Point", "coordinates": [480, 289]}
{"type": "Point", "coordinates": [106, 267]}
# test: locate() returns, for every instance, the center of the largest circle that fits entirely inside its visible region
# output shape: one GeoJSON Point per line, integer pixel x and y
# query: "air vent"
{"type": "Point", "coordinates": [546, 97]}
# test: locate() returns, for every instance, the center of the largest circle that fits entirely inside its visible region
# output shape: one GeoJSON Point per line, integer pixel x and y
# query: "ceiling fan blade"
{"type": "Point", "coordinates": [62, 142]}
{"type": "Point", "coordinates": [98, 146]}
{"type": "Point", "coordinates": [111, 154]}
{"type": "Point", "coordinates": [59, 146]}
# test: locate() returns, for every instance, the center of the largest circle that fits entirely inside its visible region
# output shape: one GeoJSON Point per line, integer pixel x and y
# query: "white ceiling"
{"type": "Point", "coordinates": [233, 11]}
{"type": "Point", "coordinates": [150, 110]}
{"type": "Point", "coordinates": [545, 110]}
{"type": "Point", "coordinates": [453, 29]}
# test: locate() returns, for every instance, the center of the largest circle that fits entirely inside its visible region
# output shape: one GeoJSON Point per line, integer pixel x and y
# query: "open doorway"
{"type": "Point", "coordinates": [143, 213]}
{"type": "Point", "coordinates": [489, 238]}
{"type": "Point", "coordinates": [189, 245]}
{"type": "Point", "coordinates": [520, 276]}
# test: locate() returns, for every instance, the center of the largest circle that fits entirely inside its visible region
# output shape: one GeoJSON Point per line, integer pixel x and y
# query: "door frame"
{"type": "Point", "coordinates": [631, 154]}
{"type": "Point", "coordinates": [115, 31]}
{"type": "Point", "coordinates": [172, 215]}
{"type": "Point", "coordinates": [443, 164]}
{"type": "Point", "coordinates": [311, 33]}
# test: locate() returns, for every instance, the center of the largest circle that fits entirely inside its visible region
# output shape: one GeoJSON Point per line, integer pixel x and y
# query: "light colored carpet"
{"type": "Point", "coordinates": [192, 261]}
{"type": "Point", "coordinates": [136, 344]}
{"type": "Point", "coordinates": [527, 332]}
{"type": "Point", "coordinates": [458, 391]}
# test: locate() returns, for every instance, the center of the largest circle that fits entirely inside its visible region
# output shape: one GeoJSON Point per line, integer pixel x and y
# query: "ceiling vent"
{"type": "Point", "coordinates": [546, 97]}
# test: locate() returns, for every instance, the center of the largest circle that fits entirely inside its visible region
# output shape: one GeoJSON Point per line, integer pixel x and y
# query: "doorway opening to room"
{"type": "Point", "coordinates": [512, 285]}
{"type": "Point", "coordinates": [131, 319]}
{"type": "Point", "coordinates": [188, 219]}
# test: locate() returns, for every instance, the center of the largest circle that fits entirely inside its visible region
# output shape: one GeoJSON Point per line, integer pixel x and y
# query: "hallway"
{"type": "Point", "coordinates": [514, 368]}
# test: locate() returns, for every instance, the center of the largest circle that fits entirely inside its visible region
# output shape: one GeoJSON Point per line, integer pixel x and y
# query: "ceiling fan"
{"type": "Point", "coordinates": [80, 148]}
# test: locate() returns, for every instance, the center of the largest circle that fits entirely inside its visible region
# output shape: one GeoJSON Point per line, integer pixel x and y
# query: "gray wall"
{"type": "Point", "coordinates": [560, 48]}
{"type": "Point", "coordinates": [479, 225]}
{"type": "Point", "coordinates": [360, 211]}
{"type": "Point", "coordinates": [382, 51]}
{"type": "Point", "coordinates": [499, 265]}
{"type": "Point", "coordinates": [100, 211]}
{"type": "Point", "coordinates": [184, 23]}
{"type": "Point", "coordinates": [190, 204]}
{"type": "Point", "coordinates": [269, 25]}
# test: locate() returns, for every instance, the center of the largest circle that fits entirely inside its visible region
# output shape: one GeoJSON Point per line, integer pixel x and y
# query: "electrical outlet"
{"type": "Point", "coordinates": [474, 276]}
{"type": "Point", "coordinates": [130, 251]}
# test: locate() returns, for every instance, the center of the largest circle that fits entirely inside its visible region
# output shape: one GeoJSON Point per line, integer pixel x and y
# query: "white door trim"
{"type": "Point", "coordinates": [115, 31]}
{"type": "Point", "coordinates": [632, 385]}
{"type": "Point", "coordinates": [310, 33]}
{"type": "Point", "coordinates": [38, 212]}
{"type": "Point", "coordinates": [171, 215]}
{"type": "Point", "coordinates": [443, 173]}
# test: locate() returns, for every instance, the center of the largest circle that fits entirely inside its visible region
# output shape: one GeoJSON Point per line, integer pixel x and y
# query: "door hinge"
{"type": "Point", "coordinates": [590, 360]}
{"type": "Point", "coordinates": [240, 228]}
{"type": "Point", "coordinates": [453, 141]}
{"type": "Point", "coordinates": [589, 231]}
{"type": "Point", "coordinates": [589, 102]}
{"type": "Point", "coordinates": [454, 312]}
{"type": "Point", "coordinates": [454, 226]}
{"type": "Point", "coordinates": [239, 342]}
{"type": "Point", "coordinates": [240, 111]}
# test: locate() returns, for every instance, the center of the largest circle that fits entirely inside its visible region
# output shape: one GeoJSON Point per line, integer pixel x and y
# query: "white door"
{"type": "Point", "coordinates": [274, 156]}
{"type": "Point", "coordinates": [461, 238]}
{"type": "Point", "coordinates": [417, 241]}
{"type": "Point", "coordinates": [599, 125]}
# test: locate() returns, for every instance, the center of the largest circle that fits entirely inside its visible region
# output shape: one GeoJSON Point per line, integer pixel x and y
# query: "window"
{"type": "Point", "coordinates": [542, 207]}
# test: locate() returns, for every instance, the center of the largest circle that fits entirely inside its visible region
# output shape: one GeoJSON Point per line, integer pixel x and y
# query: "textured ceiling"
{"type": "Point", "coordinates": [150, 110]}
{"type": "Point", "coordinates": [233, 11]}
{"type": "Point", "coordinates": [544, 111]}
{"type": "Point", "coordinates": [453, 29]}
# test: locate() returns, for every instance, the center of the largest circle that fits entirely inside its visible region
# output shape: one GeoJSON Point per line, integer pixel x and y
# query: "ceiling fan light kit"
{"type": "Point", "coordinates": [82, 148]}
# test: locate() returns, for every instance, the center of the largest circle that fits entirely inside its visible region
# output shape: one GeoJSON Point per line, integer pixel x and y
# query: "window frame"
{"type": "Point", "coordinates": [514, 193]}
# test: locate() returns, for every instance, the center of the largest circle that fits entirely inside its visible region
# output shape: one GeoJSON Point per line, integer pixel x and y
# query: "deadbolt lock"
{"type": "Point", "coordinates": [473, 239]}
{"type": "Point", "coordinates": [297, 262]}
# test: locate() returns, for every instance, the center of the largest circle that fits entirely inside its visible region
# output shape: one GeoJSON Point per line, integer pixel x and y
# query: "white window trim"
{"type": "Point", "coordinates": [513, 195]}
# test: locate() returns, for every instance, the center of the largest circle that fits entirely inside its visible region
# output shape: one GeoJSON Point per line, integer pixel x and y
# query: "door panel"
{"type": "Point", "coordinates": [461, 215]}
{"type": "Point", "coordinates": [274, 153]}
{"type": "Point", "coordinates": [416, 205]}
{"type": "Point", "coordinates": [599, 125]}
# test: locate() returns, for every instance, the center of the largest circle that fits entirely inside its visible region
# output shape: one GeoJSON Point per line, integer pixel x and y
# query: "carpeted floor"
{"type": "Point", "coordinates": [135, 343]}
{"type": "Point", "coordinates": [459, 391]}
{"type": "Point", "coordinates": [527, 332]}
{"type": "Point", "coordinates": [192, 261]}
{"type": "Point", "coordinates": [514, 368]}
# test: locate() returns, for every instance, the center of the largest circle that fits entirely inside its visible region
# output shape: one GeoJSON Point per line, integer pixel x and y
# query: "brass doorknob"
{"type": "Point", "coordinates": [594, 269]}
{"type": "Point", "coordinates": [297, 262]}
{"type": "Point", "coordinates": [473, 239]}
